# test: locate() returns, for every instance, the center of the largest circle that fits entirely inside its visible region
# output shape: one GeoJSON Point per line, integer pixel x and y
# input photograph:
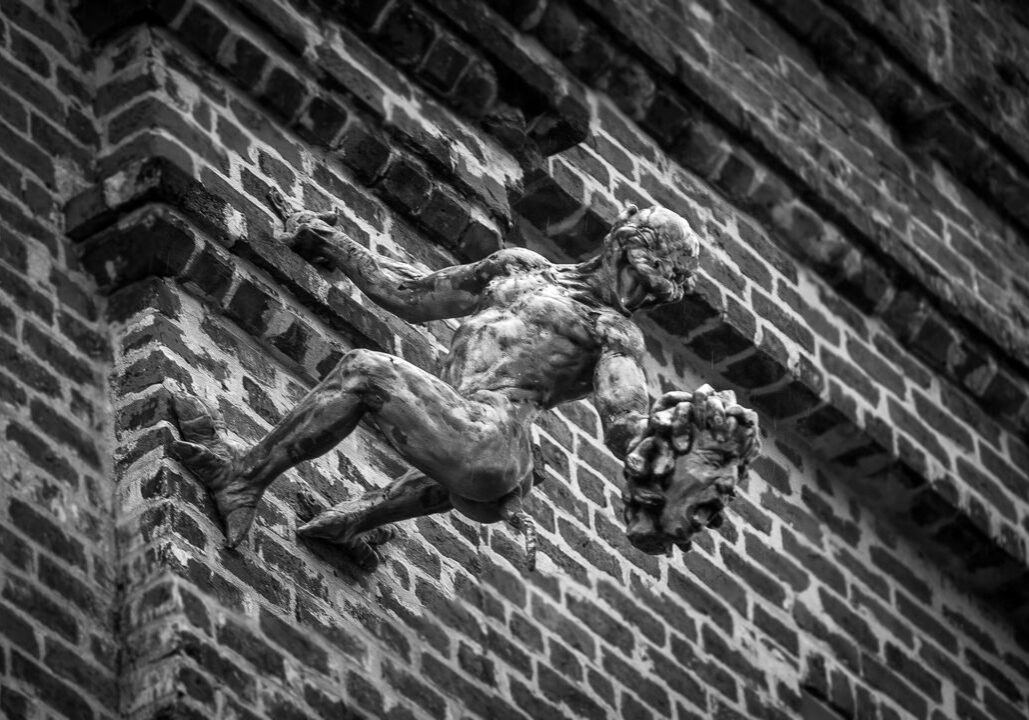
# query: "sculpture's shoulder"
{"type": "Point", "coordinates": [619, 334]}
{"type": "Point", "coordinates": [514, 260]}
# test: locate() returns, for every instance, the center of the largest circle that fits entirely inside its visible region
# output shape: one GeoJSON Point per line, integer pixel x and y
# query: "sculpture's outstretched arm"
{"type": "Point", "coordinates": [404, 290]}
{"type": "Point", "coordinates": [620, 387]}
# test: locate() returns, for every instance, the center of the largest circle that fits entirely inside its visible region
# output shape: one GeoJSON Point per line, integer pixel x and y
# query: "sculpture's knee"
{"type": "Point", "coordinates": [362, 360]}
{"type": "Point", "coordinates": [368, 374]}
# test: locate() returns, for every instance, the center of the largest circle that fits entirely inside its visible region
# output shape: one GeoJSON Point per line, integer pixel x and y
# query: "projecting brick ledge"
{"type": "Point", "coordinates": [194, 229]}
{"type": "Point", "coordinates": [889, 454]}
{"type": "Point", "coordinates": [321, 91]}
{"type": "Point", "coordinates": [152, 219]}
{"type": "Point", "coordinates": [894, 249]}
{"type": "Point", "coordinates": [926, 118]}
{"type": "Point", "coordinates": [531, 115]}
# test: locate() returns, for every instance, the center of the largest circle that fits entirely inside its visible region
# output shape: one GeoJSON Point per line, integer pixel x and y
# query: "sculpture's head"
{"type": "Point", "coordinates": [651, 255]}
{"type": "Point", "coordinates": [683, 469]}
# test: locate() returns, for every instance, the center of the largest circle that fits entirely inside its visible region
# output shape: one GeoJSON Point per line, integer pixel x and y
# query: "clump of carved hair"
{"type": "Point", "coordinates": [662, 247]}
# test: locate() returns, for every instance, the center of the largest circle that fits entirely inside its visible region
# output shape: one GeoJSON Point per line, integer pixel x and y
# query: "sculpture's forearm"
{"type": "Point", "coordinates": [380, 278]}
{"type": "Point", "coordinates": [621, 389]}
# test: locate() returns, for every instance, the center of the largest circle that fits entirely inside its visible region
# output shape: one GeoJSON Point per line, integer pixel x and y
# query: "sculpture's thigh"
{"type": "Point", "coordinates": [474, 449]}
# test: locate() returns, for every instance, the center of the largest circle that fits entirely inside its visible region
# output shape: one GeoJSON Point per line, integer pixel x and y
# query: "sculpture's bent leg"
{"type": "Point", "coordinates": [476, 449]}
{"type": "Point", "coordinates": [359, 524]}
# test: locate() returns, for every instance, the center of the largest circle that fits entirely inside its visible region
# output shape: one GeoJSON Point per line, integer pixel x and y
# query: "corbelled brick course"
{"type": "Point", "coordinates": [876, 561]}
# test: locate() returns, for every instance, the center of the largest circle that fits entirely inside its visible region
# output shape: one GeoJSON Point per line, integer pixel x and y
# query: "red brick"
{"type": "Point", "coordinates": [576, 636]}
{"type": "Point", "coordinates": [58, 427]}
{"type": "Point", "coordinates": [405, 34]}
{"type": "Point", "coordinates": [294, 641]}
{"type": "Point", "coordinates": [559, 690]}
{"type": "Point", "coordinates": [52, 691]}
{"type": "Point", "coordinates": [786, 636]}
{"type": "Point", "coordinates": [284, 93]}
{"type": "Point", "coordinates": [18, 631]}
{"type": "Point", "coordinates": [68, 664]}
{"type": "Point", "coordinates": [203, 31]}
{"type": "Point", "coordinates": [820, 566]}
{"type": "Point", "coordinates": [51, 614]}
{"type": "Point", "coordinates": [364, 151]}
{"type": "Point", "coordinates": [421, 694]}
{"type": "Point", "coordinates": [649, 691]}
{"type": "Point", "coordinates": [406, 183]}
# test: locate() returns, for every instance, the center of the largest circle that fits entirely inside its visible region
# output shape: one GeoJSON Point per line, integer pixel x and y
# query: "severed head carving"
{"type": "Point", "coordinates": [682, 469]}
{"type": "Point", "coordinates": [652, 255]}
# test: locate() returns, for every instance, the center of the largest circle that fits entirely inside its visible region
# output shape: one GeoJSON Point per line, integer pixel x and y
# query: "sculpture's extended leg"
{"type": "Point", "coordinates": [359, 524]}
{"type": "Point", "coordinates": [477, 449]}
{"type": "Point", "coordinates": [238, 480]}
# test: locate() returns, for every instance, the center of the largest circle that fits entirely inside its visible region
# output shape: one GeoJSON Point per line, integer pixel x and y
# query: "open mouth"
{"type": "Point", "coordinates": [632, 292]}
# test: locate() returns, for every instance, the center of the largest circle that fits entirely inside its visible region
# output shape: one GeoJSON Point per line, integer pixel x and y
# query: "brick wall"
{"type": "Point", "coordinates": [860, 287]}
{"type": "Point", "coordinates": [58, 586]}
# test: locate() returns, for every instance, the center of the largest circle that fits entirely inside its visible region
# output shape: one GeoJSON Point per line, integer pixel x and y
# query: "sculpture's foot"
{"type": "Point", "coordinates": [204, 452]}
{"type": "Point", "coordinates": [344, 526]}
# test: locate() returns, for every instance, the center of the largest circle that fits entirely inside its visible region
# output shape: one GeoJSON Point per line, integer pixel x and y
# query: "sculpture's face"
{"type": "Point", "coordinates": [683, 473]}
{"type": "Point", "coordinates": [651, 255]}
{"type": "Point", "coordinates": [677, 507]}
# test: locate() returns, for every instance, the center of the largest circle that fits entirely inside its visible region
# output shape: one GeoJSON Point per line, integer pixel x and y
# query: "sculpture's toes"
{"type": "Point", "coordinates": [237, 524]}
{"type": "Point", "coordinates": [308, 506]}
{"type": "Point", "coordinates": [284, 207]}
{"type": "Point", "coordinates": [379, 535]}
{"type": "Point", "coordinates": [360, 550]}
{"type": "Point", "coordinates": [195, 420]}
{"type": "Point", "coordinates": [363, 555]}
{"type": "Point", "coordinates": [337, 529]}
{"type": "Point", "coordinates": [330, 217]}
{"type": "Point", "coordinates": [211, 468]}
{"type": "Point", "coordinates": [321, 527]}
{"type": "Point", "coordinates": [330, 525]}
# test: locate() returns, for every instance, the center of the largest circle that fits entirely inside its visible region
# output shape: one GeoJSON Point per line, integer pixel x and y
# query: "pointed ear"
{"type": "Point", "coordinates": [627, 213]}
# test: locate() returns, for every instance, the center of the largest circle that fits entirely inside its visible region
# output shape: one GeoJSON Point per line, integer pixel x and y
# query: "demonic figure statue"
{"type": "Point", "coordinates": [534, 335]}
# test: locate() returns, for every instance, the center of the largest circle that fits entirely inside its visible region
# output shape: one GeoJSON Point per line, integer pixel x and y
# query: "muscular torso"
{"type": "Point", "coordinates": [533, 335]}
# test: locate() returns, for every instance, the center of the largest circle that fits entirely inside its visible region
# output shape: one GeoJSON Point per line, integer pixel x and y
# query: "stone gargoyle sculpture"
{"type": "Point", "coordinates": [534, 334]}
